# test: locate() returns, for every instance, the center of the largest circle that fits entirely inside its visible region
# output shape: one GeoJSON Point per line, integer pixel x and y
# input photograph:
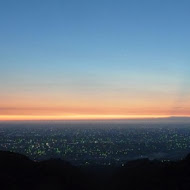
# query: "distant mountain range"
{"type": "Point", "coordinates": [162, 120]}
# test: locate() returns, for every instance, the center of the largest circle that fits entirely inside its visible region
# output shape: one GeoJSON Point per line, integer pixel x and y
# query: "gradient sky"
{"type": "Point", "coordinates": [94, 59]}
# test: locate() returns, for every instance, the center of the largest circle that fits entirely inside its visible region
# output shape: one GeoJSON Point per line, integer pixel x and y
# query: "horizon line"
{"type": "Point", "coordinates": [82, 117]}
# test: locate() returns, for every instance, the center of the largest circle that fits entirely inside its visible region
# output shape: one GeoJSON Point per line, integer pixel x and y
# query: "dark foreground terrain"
{"type": "Point", "coordinates": [19, 172]}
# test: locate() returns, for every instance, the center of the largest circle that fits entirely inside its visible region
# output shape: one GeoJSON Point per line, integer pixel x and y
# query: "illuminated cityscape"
{"type": "Point", "coordinates": [101, 144]}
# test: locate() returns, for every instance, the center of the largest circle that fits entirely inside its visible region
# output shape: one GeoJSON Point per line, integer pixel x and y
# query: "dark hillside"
{"type": "Point", "coordinates": [19, 173]}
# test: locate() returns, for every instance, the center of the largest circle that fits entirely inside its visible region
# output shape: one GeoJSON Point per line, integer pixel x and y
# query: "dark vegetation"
{"type": "Point", "coordinates": [17, 172]}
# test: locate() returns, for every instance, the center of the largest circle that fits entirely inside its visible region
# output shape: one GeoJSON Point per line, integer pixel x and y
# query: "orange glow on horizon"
{"type": "Point", "coordinates": [89, 108]}
{"type": "Point", "coordinates": [79, 117]}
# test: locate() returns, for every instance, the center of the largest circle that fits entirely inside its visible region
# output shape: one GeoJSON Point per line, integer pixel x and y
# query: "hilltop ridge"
{"type": "Point", "coordinates": [19, 172]}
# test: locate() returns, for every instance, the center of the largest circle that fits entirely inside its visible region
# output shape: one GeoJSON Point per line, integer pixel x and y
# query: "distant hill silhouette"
{"type": "Point", "coordinates": [169, 120]}
{"type": "Point", "coordinates": [20, 173]}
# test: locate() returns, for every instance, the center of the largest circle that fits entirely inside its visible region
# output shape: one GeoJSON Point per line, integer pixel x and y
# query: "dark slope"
{"type": "Point", "coordinates": [148, 175]}
{"type": "Point", "coordinates": [19, 172]}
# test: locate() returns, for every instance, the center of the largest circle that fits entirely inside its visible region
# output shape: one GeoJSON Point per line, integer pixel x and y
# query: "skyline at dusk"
{"type": "Point", "coordinates": [102, 59]}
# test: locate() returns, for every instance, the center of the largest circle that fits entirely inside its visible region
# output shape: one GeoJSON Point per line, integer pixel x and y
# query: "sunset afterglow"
{"type": "Point", "coordinates": [95, 60]}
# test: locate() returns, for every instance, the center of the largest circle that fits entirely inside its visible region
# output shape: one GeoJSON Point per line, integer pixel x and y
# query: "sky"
{"type": "Point", "coordinates": [71, 59]}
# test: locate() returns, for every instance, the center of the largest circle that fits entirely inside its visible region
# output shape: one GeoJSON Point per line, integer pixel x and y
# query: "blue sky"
{"type": "Point", "coordinates": [74, 47]}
